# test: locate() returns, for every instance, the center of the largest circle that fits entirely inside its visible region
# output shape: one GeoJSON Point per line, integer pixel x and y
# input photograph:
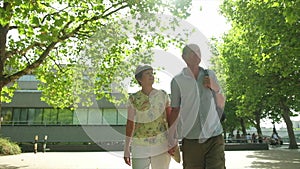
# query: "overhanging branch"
{"type": "Point", "coordinates": [94, 18]}
{"type": "Point", "coordinates": [31, 67]}
{"type": "Point", "coordinates": [23, 51]}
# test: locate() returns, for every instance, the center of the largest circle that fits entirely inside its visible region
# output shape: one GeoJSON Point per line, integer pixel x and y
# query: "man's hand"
{"type": "Point", "coordinates": [172, 151]}
{"type": "Point", "coordinates": [209, 83]}
{"type": "Point", "coordinates": [172, 146]}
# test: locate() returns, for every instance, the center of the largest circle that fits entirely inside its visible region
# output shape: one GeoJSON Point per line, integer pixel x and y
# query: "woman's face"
{"type": "Point", "coordinates": [147, 77]}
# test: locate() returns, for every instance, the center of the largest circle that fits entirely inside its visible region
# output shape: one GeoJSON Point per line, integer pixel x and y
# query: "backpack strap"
{"type": "Point", "coordinates": [205, 72]}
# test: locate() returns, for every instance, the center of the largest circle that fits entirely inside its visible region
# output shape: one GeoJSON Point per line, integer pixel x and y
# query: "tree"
{"type": "Point", "coordinates": [48, 38]}
{"type": "Point", "coordinates": [267, 31]}
{"type": "Point", "coordinates": [231, 122]}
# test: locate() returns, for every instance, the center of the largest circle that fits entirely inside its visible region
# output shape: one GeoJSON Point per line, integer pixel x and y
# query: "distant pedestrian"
{"type": "Point", "coordinates": [254, 139]}
{"type": "Point", "coordinates": [248, 138]}
{"type": "Point", "coordinates": [238, 136]}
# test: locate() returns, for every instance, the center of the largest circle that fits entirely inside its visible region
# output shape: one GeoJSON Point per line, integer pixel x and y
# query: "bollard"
{"type": "Point", "coordinates": [45, 143]}
{"type": "Point", "coordinates": [35, 146]}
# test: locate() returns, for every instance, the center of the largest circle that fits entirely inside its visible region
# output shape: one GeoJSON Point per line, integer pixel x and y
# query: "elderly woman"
{"type": "Point", "coordinates": [147, 127]}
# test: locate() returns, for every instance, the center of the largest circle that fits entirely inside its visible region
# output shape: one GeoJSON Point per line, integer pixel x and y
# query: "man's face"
{"type": "Point", "coordinates": [192, 58]}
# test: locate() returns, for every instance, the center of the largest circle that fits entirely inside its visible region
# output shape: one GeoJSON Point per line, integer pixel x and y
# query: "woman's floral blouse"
{"type": "Point", "coordinates": [150, 117]}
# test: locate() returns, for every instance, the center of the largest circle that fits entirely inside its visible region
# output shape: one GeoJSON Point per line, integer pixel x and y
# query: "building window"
{"type": "Point", "coordinates": [7, 115]}
{"type": "Point", "coordinates": [65, 117]}
{"type": "Point", "coordinates": [95, 116]}
{"type": "Point", "coordinates": [80, 117]}
{"type": "Point", "coordinates": [38, 116]}
{"type": "Point", "coordinates": [31, 116]}
{"type": "Point", "coordinates": [109, 116]}
{"type": "Point", "coordinates": [20, 116]}
{"type": "Point", "coordinates": [122, 116]}
{"type": "Point", "coordinates": [50, 116]}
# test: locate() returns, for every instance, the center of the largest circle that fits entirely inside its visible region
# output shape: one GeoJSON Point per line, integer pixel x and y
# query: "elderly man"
{"type": "Point", "coordinates": [194, 113]}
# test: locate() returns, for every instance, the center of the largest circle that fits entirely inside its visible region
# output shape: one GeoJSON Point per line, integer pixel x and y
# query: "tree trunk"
{"type": "Point", "coordinates": [1, 118]}
{"type": "Point", "coordinates": [3, 36]}
{"type": "Point", "coordinates": [257, 124]}
{"type": "Point", "coordinates": [289, 125]}
{"type": "Point", "coordinates": [243, 127]}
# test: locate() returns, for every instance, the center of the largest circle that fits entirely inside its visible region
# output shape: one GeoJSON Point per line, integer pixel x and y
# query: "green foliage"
{"type": "Point", "coordinates": [260, 57]}
{"type": "Point", "coordinates": [8, 148]}
{"type": "Point", "coordinates": [8, 93]}
{"type": "Point", "coordinates": [78, 49]}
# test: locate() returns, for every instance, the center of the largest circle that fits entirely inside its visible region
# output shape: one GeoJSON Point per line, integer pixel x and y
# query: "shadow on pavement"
{"type": "Point", "coordinates": [276, 158]}
{"type": "Point", "coordinates": [5, 166]}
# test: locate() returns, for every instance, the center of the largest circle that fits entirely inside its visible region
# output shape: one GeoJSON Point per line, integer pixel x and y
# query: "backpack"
{"type": "Point", "coordinates": [220, 110]}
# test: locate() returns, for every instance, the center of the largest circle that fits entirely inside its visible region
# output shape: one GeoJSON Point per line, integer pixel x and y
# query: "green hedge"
{"type": "Point", "coordinates": [8, 148]}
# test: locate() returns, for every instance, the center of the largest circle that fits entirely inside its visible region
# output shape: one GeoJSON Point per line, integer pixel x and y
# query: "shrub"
{"type": "Point", "coordinates": [8, 148]}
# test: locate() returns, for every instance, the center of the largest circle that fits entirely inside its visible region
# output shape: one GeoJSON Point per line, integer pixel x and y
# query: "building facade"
{"type": "Point", "coordinates": [27, 116]}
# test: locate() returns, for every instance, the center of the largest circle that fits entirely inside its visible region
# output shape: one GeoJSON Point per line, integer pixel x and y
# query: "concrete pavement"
{"type": "Point", "coordinates": [275, 158]}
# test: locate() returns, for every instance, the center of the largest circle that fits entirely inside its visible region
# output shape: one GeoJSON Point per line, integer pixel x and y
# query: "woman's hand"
{"type": "Point", "coordinates": [127, 156]}
{"type": "Point", "coordinates": [172, 146]}
{"type": "Point", "coordinates": [172, 151]}
{"type": "Point", "coordinates": [127, 160]}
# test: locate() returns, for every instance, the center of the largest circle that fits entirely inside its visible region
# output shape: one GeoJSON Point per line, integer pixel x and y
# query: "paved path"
{"type": "Point", "coordinates": [277, 158]}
